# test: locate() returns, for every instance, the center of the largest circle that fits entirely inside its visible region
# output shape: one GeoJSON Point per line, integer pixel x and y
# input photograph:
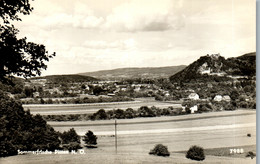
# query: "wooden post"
{"type": "Point", "coordinates": [115, 136]}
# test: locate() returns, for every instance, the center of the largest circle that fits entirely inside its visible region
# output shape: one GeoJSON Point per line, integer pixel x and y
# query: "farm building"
{"type": "Point", "coordinates": [194, 109]}
{"type": "Point", "coordinates": [226, 98]}
{"type": "Point", "coordinates": [194, 96]}
{"type": "Point", "coordinates": [218, 98]}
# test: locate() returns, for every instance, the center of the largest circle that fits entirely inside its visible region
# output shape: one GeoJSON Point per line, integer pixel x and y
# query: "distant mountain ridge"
{"type": "Point", "coordinates": [135, 72]}
{"type": "Point", "coordinates": [212, 67]}
{"type": "Point", "coordinates": [67, 78]}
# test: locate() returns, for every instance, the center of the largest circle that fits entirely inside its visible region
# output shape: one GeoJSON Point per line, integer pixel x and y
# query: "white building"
{"type": "Point", "coordinates": [194, 96]}
{"type": "Point", "coordinates": [194, 109]}
{"type": "Point", "coordinates": [218, 98]}
{"type": "Point", "coordinates": [226, 98]}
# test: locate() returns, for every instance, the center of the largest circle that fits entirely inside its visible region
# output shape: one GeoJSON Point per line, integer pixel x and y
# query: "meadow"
{"type": "Point", "coordinates": [216, 132]}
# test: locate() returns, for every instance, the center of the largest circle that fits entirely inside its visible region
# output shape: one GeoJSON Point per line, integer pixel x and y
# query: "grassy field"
{"type": "Point", "coordinates": [121, 158]}
{"type": "Point", "coordinates": [49, 109]}
{"type": "Point", "coordinates": [216, 132]}
{"type": "Point", "coordinates": [226, 151]}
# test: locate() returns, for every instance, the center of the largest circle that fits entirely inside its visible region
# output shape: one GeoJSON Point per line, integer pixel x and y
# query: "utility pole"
{"type": "Point", "coordinates": [115, 136]}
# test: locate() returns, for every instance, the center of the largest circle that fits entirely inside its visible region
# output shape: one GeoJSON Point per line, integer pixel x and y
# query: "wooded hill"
{"type": "Point", "coordinates": [67, 78]}
{"type": "Point", "coordinates": [217, 68]}
{"type": "Point", "coordinates": [129, 73]}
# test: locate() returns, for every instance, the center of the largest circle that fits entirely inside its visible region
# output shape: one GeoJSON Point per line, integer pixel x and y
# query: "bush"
{"type": "Point", "coordinates": [70, 136]}
{"type": "Point", "coordinates": [90, 139]}
{"type": "Point", "coordinates": [71, 146]}
{"type": "Point", "coordinates": [250, 154]}
{"type": "Point", "coordinates": [160, 150]}
{"type": "Point", "coordinates": [119, 114]}
{"type": "Point", "coordinates": [229, 106]}
{"type": "Point", "coordinates": [243, 104]}
{"type": "Point", "coordinates": [196, 153]}
{"type": "Point", "coordinates": [145, 111]}
{"type": "Point", "coordinates": [205, 107]}
{"type": "Point", "coordinates": [129, 113]}
{"type": "Point", "coordinates": [99, 115]}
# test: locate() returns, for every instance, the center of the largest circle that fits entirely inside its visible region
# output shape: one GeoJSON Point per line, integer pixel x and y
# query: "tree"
{"type": "Point", "coordinates": [11, 8]}
{"type": "Point", "coordinates": [28, 92]}
{"type": "Point", "coordinates": [70, 136]}
{"type": "Point", "coordinates": [99, 115]}
{"type": "Point", "coordinates": [97, 90]}
{"type": "Point", "coordinates": [129, 113]}
{"type": "Point", "coordinates": [21, 130]}
{"type": "Point", "coordinates": [196, 153]}
{"type": "Point", "coordinates": [70, 140]}
{"type": "Point", "coordinates": [160, 150]}
{"type": "Point", "coordinates": [83, 87]}
{"type": "Point", "coordinates": [234, 95]}
{"type": "Point", "coordinates": [90, 139]}
{"type": "Point", "coordinates": [119, 114]}
{"type": "Point", "coordinates": [145, 111]}
{"type": "Point", "coordinates": [18, 57]}
{"type": "Point", "coordinates": [18, 128]}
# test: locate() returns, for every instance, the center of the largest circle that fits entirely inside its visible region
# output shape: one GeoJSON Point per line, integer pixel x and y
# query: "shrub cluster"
{"type": "Point", "coordinates": [247, 104]}
{"type": "Point", "coordinates": [77, 100]}
{"type": "Point", "coordinates": [250, 154]}
{"type": "Point", "coordinates": [90, 139]}
{"type": "Point", "coordinates": [144, 111]}
{"type": "Point", "coordinates": [67, 117]}
{"type": "Point", "coordinates": [70, 140]}
{"type": "Point", "coordinates": [129, 113]}
{"type": "Point", "coordinates": [160, 150]}
{"type": "Point", "coordinates": [19, 130]}
{"type": "Point", "coordinates": [195, 153]}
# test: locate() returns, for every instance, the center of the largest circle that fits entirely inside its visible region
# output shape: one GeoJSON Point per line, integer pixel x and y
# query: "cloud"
{"type": "Point", "coordinates": [61, 20]}
{"type": "Point", "coordinates": [137, 33]}
{"type": "Point", "coordinates": [129, 16]}
{"type": "Point", "coordinates": [59, 14]}
{"type": "Point", "coordinates": [127, 44]}
{"type": "Point", "coordinates": [145, 15]}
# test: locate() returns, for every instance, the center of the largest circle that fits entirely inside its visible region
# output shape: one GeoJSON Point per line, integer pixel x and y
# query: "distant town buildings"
{"type": "Point", "coordinates": [194, 109]}
{"type": "Point", "coordinates": [226, 98]}
{"type": "Point", "coordinates": [194, 96]}
{"type": "Point", "coordinates": [218, 98]}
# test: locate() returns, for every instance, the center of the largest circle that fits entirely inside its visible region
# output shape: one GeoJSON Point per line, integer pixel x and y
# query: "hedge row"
{"type": "Point", "coordinates": [77, 100]}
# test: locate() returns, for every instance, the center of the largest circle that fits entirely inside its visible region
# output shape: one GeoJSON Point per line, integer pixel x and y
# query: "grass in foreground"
{"type": "Point", "coordinates": [229, 151]}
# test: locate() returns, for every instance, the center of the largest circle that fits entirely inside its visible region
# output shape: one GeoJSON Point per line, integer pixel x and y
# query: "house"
{"type": "Point", "coordinates": [194, 109]}
{"type": "Point", "coordinates": [117, 90]}
{"type": "Point", "coordinates": [226, 98]}
{"type": "Point", "coordinates": [183, 108]}
{"type": "Point", "coordinates": [194, 96]}
{"type": "Point", "coordinates": [218, 98]}
{"type": "Point", "coordinates": [36, 94]}
{"type": "Point", "coordinates": [210, 85]}
{"type": "Point", "coordinates": [54, 90]}
{"type": "Point", "coordinates": [87, 87]}
{"type": "Point", "coordinates": [137, 89]}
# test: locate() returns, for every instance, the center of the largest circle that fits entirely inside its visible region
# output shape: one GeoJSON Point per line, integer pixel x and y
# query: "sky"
{"type": "Point", "coordinates": [92, 35]}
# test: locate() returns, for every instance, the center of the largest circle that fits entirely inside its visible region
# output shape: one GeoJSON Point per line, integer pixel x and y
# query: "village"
{"type": "Point", "coordinates": [193, 98]}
